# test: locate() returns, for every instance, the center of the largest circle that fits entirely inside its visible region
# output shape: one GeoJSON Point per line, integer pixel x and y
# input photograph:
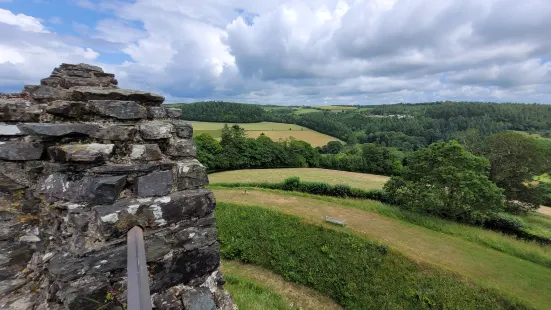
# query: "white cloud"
{"type": "Point", "coordinates": [311, 51]}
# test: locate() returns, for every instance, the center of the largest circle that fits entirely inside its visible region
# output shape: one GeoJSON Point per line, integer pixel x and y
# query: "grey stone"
{"type": "Point", "coordinates": [166, 301]}
{"type": "Point", "coordinates": [10, 131]}
{"type": "Point", "coordinates": [86, 293]}
{"type": "Point", "coordinates": [47, 93]}
{"type": "Point", "coordinates": [224, 301]}
{"type": "Point", "coordinates": [181, 148]}
{"type": "Point", "coordinates": [191, 174]}
{"type": "Point", "coordinates": [198, 299]}
{"type": "Point", "coordinates": [13, 258]}
{"type": "Point", "coordinates": [20, 150]}
{"type": "Point", "coordinates": [94, 190]}
{"type": "Point", "coordinates": [102, 93]}
{"type": "Point", "coordinates": [174, 112]}
{"type": "Point", "coordinates": [184, 129]}
{"type": "Point", "coordinates": [124, 110]}
{"type": "Point", "coordinates": [146, 152]}
{"type": "Point", "coordinates": [156, 130]}
{"type": "Point", "coordinates": [156, 112]}
{"type": "Point", "coordinates": [116, 133]}
{"type": "Point", "coordinates": [93, 152]}
{"type": "Point", "coordinates": [126, 169]}
{"type": "Point", "coordinates": [58, 130]}
{"type": "Point", "coordinates": [154, 184]}
{"type": "Point", "coordinates": [68, 108]}
{"type": "Point", "coordinates": [19, 111]}
{"type": "Point", "coordinates": [106, 190]}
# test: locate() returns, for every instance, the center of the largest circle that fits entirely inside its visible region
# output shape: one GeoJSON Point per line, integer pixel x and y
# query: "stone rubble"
{"type": "Point", "coordinates": [83, 161]}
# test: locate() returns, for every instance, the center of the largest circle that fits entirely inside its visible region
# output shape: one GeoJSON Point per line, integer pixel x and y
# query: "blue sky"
{"type": "Point", "coordinates": [286, 52]}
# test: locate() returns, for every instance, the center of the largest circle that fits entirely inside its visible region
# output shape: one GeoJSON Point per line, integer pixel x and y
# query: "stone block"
{"type": "Point", "coordinates": [20, 151]}
{"type": "Point", "coordinates": [156, 130]}
{"type": "Point", "coordinates": [10, 131]}
{"type": "Point", "coordinates": [181, 148]}
{"type": "Point", "coordinates": [146, 152]}
{"type": "Point", "coordinates": [154, 184]}
{"type": "Point", "coordinates": [129, 169]}
{"type": "Point", "coordinates": [58, 130]}
{"type": "Point", "coordinates": [123, 110]}
{"type": "Point", "coordinates": [198, 299]}
{"type": "Point", "coordinates": [93, 152]}
{"type": "Point", "coordinates": [191, 174]}
{"type": "Point", "coordinates": [174, 112]}
{"type": "Point", "coordinates": [88, 189]}
{"type": "Point", "coordinates": [103, 93]}
{"type": "Point", "coordinates": [73, 109]}
{"type": "Point", "coordinates": [19, 111]}
{"type": "Point", "coordinates": [86, 293]}
{"type": "Point", "coordinates": [156, 112]}
{"type": "Point", "coordinates": [47, 93]}
{"type": "Point", "coordinates": [184, 129]}
{"type": "Point", "coordinates": [116, 133]}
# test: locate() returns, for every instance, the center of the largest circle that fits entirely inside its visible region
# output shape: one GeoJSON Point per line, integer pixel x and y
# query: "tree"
{"type": "Point", "coordinates": [516, 158]}
{"type": "Point", "coordinates": [207, 150]}
{"type": "Point", "coordinates": [334, 147]}
{"type": "Point", "coordinates": [449, 182]}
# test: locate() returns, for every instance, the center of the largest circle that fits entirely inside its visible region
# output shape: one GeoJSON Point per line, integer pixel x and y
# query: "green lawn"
{"type": "Point", "coordinates": [464, 250]}
{"type": "Point", "coordinates": [249, 295]}
{"type": "Point", "coordinates": [305, 111]}
{"type": "Point", "coordinates": [354, 179]}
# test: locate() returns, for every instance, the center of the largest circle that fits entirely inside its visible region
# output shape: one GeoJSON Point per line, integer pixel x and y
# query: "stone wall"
{"type": "Point", "coordinates": [82, 162]}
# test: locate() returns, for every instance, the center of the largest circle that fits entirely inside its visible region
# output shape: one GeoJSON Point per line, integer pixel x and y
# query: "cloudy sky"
{"type": "Point", "coordinates": [310, 52]}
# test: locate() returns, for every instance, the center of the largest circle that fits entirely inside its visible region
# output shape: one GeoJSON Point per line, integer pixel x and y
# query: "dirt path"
{"type": "Point", "coordinates": [297, 295]}
{"type": "Point", "coordinates": [545, 210]}
{"type": "Point", "coordinates": [516, 277]}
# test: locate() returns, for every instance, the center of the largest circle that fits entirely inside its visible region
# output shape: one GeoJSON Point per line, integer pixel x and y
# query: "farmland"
{"type": "Point", "coordinates": [275, 131]}
{"type": "Point", "coordinates": [358, 180]}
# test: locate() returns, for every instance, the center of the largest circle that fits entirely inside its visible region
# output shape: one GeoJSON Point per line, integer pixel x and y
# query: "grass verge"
{"type": "Point", "coordinates": [251, 296]}
{"type": "Point", "coordinates": [355, 272]}
{"type": "Point", "coordinates": [295, 295]}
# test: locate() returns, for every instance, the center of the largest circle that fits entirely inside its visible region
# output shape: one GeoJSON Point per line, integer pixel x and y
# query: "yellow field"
{"type": "Point", "coordinates": [334, 107]}
{"type": "Point", "coordinates": [354, 179]}
{"type": "Point", "coordinates": [275, 131]}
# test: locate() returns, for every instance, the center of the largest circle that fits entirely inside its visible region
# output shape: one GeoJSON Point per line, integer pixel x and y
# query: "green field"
{"type": "Point", "coordinates": [334, 107]}
{"type": "Point", "coordinates": [354, 179]}
{"type": "Point", "coordinates": [455, 248]}
{"type": "Point", "coordinates": [305, 111]}
{"type": "Point", "coordinates": [275, 131]}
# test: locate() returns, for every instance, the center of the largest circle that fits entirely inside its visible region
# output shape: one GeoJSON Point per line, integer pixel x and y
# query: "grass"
{"type": "Point", "coordinates": [248, 295]}
{"type": "Point", "coordinates": [275, 131]}
{"type": "Point", "coordinates": [546, 178]}
{"type": "Point", "coordinates": [305, 111]}
{"type": "Point", "coordinates": [354, 179]}
{"type": "Point", "coordinates": [463, 250]}
{"type": "Point", "coordinates": [354, 271]}
{"type": "Point", "coordinates": [295, 295]}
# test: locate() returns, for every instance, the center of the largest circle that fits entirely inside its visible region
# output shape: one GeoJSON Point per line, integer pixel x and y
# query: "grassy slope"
{"type": "Point", "coordinates": [295, 295]}
{"type": "Point", "coordinates": [511, 275]}
{"type": "Point", "coordinates": [275, 131]}
{"type": "Point", "coordinates": [357, 180]}
{"type": "Point", "coordinates": [248, 295]}
{"type": "Point", "coordinates": [334, 107]}
{"type": "Point", "coordinates": [354, 271]}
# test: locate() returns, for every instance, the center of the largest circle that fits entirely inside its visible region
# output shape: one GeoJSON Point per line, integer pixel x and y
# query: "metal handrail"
{"type": "Point", "coordinates": [138, 295]}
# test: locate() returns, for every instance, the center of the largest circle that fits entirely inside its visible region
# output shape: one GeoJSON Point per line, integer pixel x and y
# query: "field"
{"type": "Point", "coordinates": [334, 107]}
{"type": "Point", "coordinates": [305, 111]}
{"type": "Point", "coordinates": [275, 131]}
{"type": "Point", "coordinates": [461, 254]}
{"type": "Point", "coordinates": [357, 180]}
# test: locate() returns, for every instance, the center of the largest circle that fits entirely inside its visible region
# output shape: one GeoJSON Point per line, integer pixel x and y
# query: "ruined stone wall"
{"type": "Point", "coordinates": [82, 162]}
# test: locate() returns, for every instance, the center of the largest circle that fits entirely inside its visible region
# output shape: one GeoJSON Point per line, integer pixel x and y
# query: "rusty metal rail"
{"type": "Point", "coordinates": [138, 296]}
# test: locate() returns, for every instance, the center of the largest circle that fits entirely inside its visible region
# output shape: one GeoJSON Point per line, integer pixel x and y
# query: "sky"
{"type": "Point", "coordinates": [289, 52]}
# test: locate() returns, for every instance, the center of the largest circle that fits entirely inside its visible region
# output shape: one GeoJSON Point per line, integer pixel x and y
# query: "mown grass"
{"type": "Point", "coordinates": [305, 111]}
{"type": "Point", "coordinates": [355, 272]}
{"type": "Point", "coordinates": [530, 251]}
{"type": "Point", "coordinates": [248, 295]}
{"type": "Point", "coordinates": [333, 177]}
{"type": "Point", "coordinates": [334, 107]}
{"type": "Point", "coordinates": [294, 294]}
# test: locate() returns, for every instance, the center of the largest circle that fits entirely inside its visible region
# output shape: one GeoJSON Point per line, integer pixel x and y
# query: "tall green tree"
{"type": "Point", "coordinates": [516, 158]}
{"type": "Point", "coordinates": [449, 182]}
